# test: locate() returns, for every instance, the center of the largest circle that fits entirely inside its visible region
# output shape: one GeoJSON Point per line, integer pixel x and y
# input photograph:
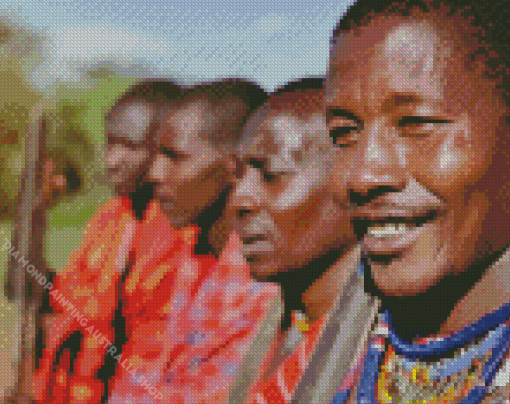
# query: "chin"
{"type": "Point", "coordinates": [260, 270]}
{"type": "Point", "coordinates": [406, 278]}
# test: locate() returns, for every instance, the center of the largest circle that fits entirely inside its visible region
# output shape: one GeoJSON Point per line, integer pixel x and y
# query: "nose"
{"type": "Point", "coordinates": [158, 169]}
{"type": "Point", "coordinates": [114, 156]}
{"type": "Point", "coordinates": [246, 197]}
{"type": "Point", "coordinates": [379, 165]}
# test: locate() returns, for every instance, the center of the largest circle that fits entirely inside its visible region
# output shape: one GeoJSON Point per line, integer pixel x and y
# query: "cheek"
{"type": "Point", "coordinates": [198, 183]}
{"type": "Point", "coordinates": [297, 189]}
{"type": "Point", "coordinates": [118, 157]}
{"type": "Point", "coordinates": [449, 168]}
{"type": "Point", "coordinates": [296, 210]}
{"type": "Point", "coordinates": [195, 169]}
{"type": "Point", "coordinates": [337, 179]}
{"type": "Point", "coordinates": [113, 157]}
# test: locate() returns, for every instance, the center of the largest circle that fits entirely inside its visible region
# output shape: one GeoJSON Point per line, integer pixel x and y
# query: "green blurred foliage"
{"type": "Point", "coordinates": [75, 121]}
{"type": "Point", "coordinates": [17, 99]}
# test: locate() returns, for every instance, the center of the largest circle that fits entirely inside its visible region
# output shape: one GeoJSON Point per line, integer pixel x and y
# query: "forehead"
{"type": "Point", "coordinates": [182, 123]}
{"type": "Point", "coordinates": [282, 134]}
{"type": "Point", "coordinates": [131, 120]}
{"type": "Point", "coordinates": [394, 55]}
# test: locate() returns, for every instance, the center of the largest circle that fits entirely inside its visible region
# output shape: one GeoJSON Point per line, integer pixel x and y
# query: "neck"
{"type": "Point", "coordinates": [320, 297]}
{"type": "Point", "coordinates": [487, 295]}
{"type": "Point", "coordinates": [141, 197]}
{"type": "Point", "coordinates": [206, 220]}
{"type": "Point", "coordinates": [455, 302]}
{"type": "Point", "coordinates": [314, 287]}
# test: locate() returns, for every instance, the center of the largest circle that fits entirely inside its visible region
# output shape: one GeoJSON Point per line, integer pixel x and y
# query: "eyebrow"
{"type": "Point", "coordinates": [395, 100]}
{"type": "Point", "coordinates": [126, 140]}
{"type": "Point", "coordinates": [248, 159]}
{"type": "Point", "coordinates": [398, 100]}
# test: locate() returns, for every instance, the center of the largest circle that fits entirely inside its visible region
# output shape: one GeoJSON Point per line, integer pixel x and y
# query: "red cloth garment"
{"type": "Point", "coordinates": [279, 387]}
{"type": "Point", "coordinates": [190, 319]}
{"type": "Point", "coordinates": [85, 297]}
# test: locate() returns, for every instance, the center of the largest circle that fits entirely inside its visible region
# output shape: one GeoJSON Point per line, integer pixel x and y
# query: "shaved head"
{"type": "Point", "coordinates": [290, 127]}
{"type": "Point", "coordinates": [220, 110]}
{"type": "Point", "coordinates": [130, 127]}
{"type": "Point", "coordinates": [131, 120]}
{"type": "Point", "coordinates": [282, 195]}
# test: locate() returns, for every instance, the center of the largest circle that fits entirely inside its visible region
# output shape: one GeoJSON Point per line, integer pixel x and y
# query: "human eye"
{"type": "Point", "coordinates": [256, 163]}
{"type": "Point", "coordinates": [259, 165]}
{"type": "Point", "coordinates": [271, 177]}
{"type": "Point", "coordinates": [420, 126]}
{"type": "Point", "coordinates": [171, 154]}
{"type": "Point", "coordinates": [343, 135]}
{"type": "Point", "coordinates": [343, 126]}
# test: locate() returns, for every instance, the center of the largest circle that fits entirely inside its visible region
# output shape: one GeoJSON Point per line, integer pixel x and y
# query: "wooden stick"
{"type": "Point", "coordinates": [26, 294]}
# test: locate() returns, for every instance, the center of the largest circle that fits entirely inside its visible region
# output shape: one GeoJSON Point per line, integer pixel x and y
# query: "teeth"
{"type": "Point", "coordinates": [388, 229]}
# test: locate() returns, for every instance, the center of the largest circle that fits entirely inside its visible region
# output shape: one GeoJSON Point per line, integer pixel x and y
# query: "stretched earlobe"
{"type": "Point", "coordinates": [53, 185]}
{"type": "Point", "coordinates": [231, 165]}
{"type": "Point", "coordinates": [58, 182]}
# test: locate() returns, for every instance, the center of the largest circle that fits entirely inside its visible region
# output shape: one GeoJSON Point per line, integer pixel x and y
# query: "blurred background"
{"type": "Point", "coordinates": [76, 58]}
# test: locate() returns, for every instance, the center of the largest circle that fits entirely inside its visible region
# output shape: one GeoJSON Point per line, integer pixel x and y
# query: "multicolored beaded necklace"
{"type": "Point", "coordinates": [396, 371]}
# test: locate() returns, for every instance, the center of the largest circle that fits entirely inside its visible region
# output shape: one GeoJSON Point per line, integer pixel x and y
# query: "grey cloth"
{"type": "Point", "coordinates": [345, 337]}
{"type": "Point", "coordinates": [342, 341]}
{"type": "Point", "coordinates": [258, 352]}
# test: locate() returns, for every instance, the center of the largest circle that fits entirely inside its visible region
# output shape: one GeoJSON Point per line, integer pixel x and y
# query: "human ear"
{"type": "Point", "coordinates": [230, 164]}
{"type": "Point", "coordinates": [54, 184]}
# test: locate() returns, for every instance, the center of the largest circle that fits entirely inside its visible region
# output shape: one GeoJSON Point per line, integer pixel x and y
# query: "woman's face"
{"type": "Point", "coordinates": [422, 148]}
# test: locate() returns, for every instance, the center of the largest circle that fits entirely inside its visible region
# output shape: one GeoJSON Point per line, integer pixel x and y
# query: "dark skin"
{"type": "Point", "coordinates": [126, 156]}
{"type": "Point", "coordinates": [291, 231]}
{"type": "Point", "coordinates": [424, 150]}
{"type": "Point", "coordinates": [128, 130]}
{"type": "Point", "coordinates": [191, 176]}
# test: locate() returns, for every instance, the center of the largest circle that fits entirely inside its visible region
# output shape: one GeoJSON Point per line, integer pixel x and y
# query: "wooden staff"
{"type": "Point", "coordinates": [21, 288]}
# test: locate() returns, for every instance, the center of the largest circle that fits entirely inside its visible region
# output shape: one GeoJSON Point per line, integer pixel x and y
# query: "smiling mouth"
{"type": "Point", "coordinates": [391, 234]}
{"type": "Point", "coordinates": [391, 226]}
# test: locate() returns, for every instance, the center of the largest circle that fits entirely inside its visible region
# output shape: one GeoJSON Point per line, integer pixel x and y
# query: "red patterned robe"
{"type": "Point", "coordinates": [190, 320]}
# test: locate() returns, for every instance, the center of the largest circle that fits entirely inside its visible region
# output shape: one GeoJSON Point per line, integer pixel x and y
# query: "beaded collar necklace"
{"type": "Point", "coordinates": [493, 329]}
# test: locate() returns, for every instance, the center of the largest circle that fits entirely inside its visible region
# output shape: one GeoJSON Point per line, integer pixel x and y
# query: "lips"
{"type": "Point", "coordinates": [255, 245]}
{"type": "Point", "coordinates": [392, 231]}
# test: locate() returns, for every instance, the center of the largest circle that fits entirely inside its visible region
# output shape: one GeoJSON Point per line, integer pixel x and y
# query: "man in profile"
{"type": "Point", "coordinates": [165, 248]}
{"type": "Point", "coordinates": [291, 229]}
{"type": "Point", "coordinates": [190, 322]}
{"type": "Point", "coordinates": [88, 282]}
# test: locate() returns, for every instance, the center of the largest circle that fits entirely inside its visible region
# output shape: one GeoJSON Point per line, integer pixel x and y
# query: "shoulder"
{"type": "Point", "coordinates": [115, 208]}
